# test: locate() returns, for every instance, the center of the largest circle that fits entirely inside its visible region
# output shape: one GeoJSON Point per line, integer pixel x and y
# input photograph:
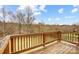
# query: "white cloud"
{"type": "Point", "coordinates": [37, 13]}
{"type": "Point", "coordinates": [57, 19]}
{"type": "Point", "coordinates": [7, 17]}
{"type": "Point", "coordinates": [61, 10]}
{"type": "Point", "coordinates": [42, 8]}
{"type": "Point", "coordinates": [1, 6]}
{"type": "Point", "coordinates": [69, 16]}
{"type": "Point", "coordinates": [74, 10]}
{"type": "Point", "coordinates": [49, 19]}
{"type": "Point", "coordinates": [33, 7]}
{"type": "Point", "coordinates": [76, 6]}
{"type": "Point", "coordinates": [36, 21]}
{"type": "Point", "coordinates": [37, 10]}
{"type": "Point", "coordinates": [1, 15]}
{"type": "Point", "coordinates": [22, 7]}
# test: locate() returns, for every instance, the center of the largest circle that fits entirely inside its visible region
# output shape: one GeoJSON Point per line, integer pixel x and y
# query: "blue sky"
{"type": "Point", "coordinates": [52, 14]}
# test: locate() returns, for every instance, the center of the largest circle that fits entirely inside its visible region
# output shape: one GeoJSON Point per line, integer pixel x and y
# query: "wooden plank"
{"type": "Point", "coordinates": [57, 48]}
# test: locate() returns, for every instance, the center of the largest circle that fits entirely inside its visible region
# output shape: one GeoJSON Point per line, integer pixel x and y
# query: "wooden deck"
{"type": "Point", "coordinates": [58, 48]}
{"type": "Point", "coordinates": [41, 43]}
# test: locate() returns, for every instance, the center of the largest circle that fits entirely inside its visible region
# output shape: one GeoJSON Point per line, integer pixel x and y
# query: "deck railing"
{"type": "Point", "coordinates": [20, 43]}
{"type": "Point", "coordinates": [72, 37]}
{"type": "Point", "coordinates": [25, 42]}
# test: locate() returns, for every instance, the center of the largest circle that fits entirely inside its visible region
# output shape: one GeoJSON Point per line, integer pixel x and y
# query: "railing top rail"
{"type": "Point", "coordinates": [17, 35]}
{"type": "Point", "coordinates": [69, 32]}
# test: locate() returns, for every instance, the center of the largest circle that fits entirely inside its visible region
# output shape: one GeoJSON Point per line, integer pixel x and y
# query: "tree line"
{"type": "Point", "coordinates": [20, 17]}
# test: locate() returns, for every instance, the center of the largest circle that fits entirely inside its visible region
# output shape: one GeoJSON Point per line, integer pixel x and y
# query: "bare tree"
{"type": "Point", "coordinates": [4, 12]}
{"type": "Point", "coordinates": [10, 24]}
{"type": "Point", "coordinates": [29, 19]}
{"type": "Point", "coordinates": [20, 18]}
{"type": "Point", "coordinates": [41, 25]}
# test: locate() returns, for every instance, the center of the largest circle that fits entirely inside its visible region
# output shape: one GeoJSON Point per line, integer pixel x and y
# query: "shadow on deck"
{"type": "Point", "coordinates": [57, 48]}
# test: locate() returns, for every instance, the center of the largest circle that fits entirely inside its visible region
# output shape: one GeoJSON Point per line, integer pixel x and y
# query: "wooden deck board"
{"type": "Point", "coordinates": [58, 48]}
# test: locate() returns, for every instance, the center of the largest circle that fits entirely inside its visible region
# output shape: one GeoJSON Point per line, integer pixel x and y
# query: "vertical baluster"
{"type": "Point", "coordinates": [64, 36]}
{"type": "Point", "coordinates": [14, 45]}
{"type": "Point", "coordinates": [70, 37]}
{"type": "Point", "coordinates": [67, 37]}
{"type": "Point", "coordinates": [37, 39]}
{"type": "Point", "coordinates": [11, 44]}
{"type": "Point", "coordinates": [24, 42]}
{"type": "Point", "coordinates": [59, 36]}
{"type": "Point", "coordinates": [78, 40]}
{"type": "Point", "coordinates": [21, 42]}
{"type": "Point", "coordinates": [74, 37]}
{"type": "Point", "coordinates": [44, 40]}
{"type": "Point", "coordinates": [77, 37]}
{"type": "Point", "coordinates": [40, 39]}
{"type": "Point", "coordinates": [18, 42]}
{"type": "Point", "coordinates": [29, 41]}
{"type": "Point", "coordinates": [34, 39]}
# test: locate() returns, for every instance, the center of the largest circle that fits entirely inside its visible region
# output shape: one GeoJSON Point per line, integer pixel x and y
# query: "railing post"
{"type": "Point", "coordinates": [8, 48]}
{"type": "Point", "coordinates": [44, 40]}
{"type": "Point", "coordinates": [59, 36]}
{"type": "Point", "coordinates": [11, 45]}
{"type": "Point", "coordinates": [78, 40]}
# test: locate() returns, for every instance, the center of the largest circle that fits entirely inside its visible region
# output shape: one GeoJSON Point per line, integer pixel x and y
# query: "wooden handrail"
{"type": "Point", "coordinates": [19, 43]}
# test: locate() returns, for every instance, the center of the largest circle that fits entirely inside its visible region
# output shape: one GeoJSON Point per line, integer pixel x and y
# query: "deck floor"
{"type": "Point", "coordinates": [58, 48]}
